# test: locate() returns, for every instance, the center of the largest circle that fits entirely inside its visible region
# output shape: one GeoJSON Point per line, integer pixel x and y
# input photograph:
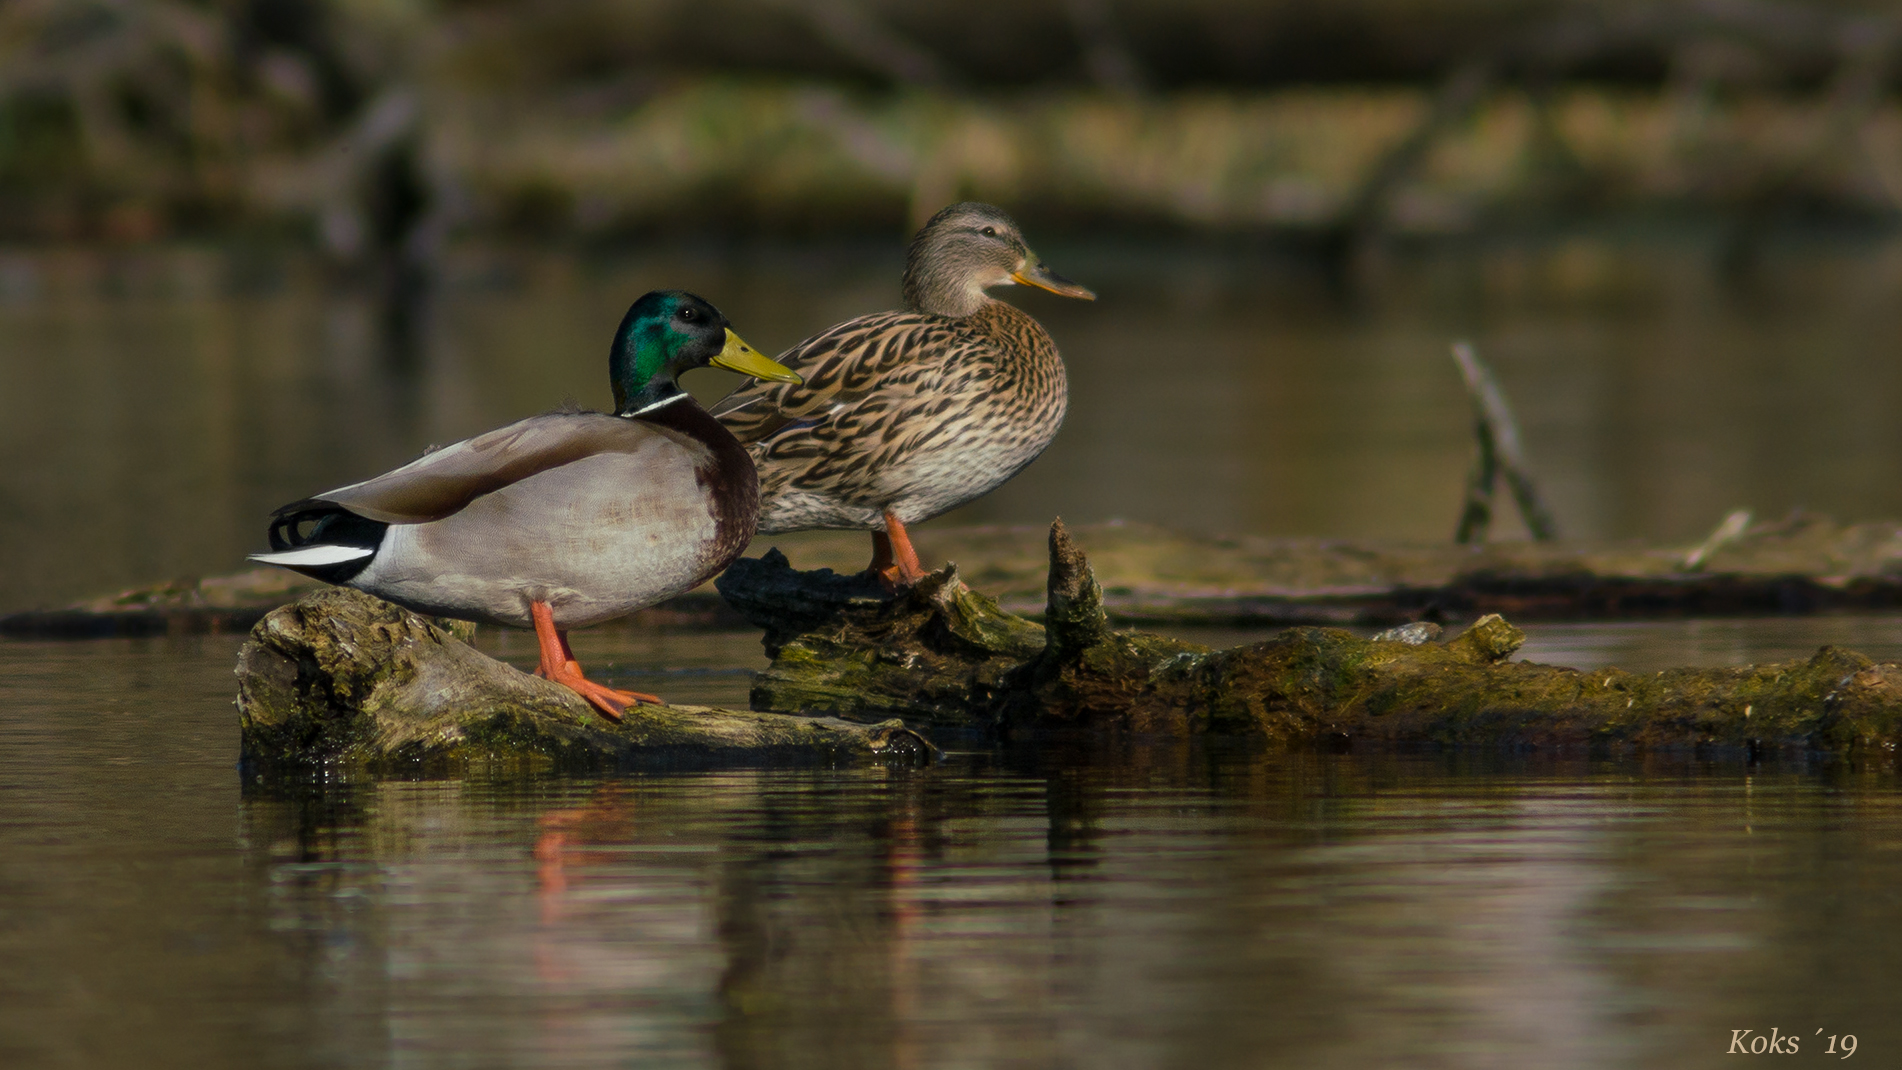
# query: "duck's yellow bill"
{"type": "Point", "coordinates": [742, 358]}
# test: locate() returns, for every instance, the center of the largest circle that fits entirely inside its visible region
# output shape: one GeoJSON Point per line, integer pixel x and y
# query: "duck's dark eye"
{"type": "Point", "coordinates": [990, 232]}
{"type": "Point", "coordinates": [689, 315]}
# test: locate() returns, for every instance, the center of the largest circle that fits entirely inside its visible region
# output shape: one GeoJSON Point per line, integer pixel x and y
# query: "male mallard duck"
{"type": "Point", "coordinates": [904, 415]}
{"type": "Point", "coordinates": [562, 520]}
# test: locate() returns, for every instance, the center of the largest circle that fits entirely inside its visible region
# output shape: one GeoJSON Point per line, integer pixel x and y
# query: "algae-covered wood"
{"type": "Point", "coordinates": [944, 655]}
{"type": "Point", "coordinates": [341, 677]}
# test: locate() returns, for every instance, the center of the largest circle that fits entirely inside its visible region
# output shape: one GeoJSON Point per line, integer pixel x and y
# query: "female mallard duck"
{"type": "Point", "coordinates": [904, 415]}
{"type": "Point", "coordinates": [562, 520]}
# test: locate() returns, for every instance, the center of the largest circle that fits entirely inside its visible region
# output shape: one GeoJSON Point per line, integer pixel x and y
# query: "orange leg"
{"type": "Point", "coordinates": [902, 568]}
{"type": "Point", "coordinates": [881, 555]}
{"type": "Point", "coordinates": [558, 664]}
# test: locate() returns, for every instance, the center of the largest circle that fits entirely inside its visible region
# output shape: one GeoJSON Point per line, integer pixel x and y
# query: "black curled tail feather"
{"type": "Point", "coordinates": [330, 525]}
{"type": "Point", "coordinates": [315, 522]}
{"type": "Point", "coordinates": [284, 533]}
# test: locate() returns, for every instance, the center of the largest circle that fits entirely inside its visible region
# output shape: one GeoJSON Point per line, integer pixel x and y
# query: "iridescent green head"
{"type": "Point", "coordinates": [668, 332]}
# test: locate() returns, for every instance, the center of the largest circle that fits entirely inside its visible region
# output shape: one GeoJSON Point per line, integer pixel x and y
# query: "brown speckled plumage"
{"type": "Point", "coordinates": [916, 412]}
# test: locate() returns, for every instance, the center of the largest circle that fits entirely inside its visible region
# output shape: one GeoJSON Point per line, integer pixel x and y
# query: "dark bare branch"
{"type": "Point", "coordinates": [1500, 450]}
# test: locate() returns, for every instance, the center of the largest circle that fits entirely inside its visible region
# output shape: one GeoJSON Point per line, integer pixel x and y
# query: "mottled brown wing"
{"type": "Point", "coordinates": [843, 367]}
{"type": "Point", "coordinates": [880, 388]}
{"type": "Point", "coordinates": [443, 482]}
{"type": "Point", "coordinates": [919, 407]}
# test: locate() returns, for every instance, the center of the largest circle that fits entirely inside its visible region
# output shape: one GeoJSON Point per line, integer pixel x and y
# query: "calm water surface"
{"type": "Point", "coordinates": [1158, 906]}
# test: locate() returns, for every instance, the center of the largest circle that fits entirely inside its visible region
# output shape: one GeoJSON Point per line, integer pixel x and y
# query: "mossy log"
{"type": "Point", "coordinates": [945, 656]}
{"type": "Point", "coordinates": [342, 677]}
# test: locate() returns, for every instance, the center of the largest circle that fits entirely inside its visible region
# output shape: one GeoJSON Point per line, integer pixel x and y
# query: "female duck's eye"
{"type": "Point", "coordinates": [990, 232]}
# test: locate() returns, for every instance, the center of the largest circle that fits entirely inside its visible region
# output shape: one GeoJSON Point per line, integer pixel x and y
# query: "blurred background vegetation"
{"type": "Point", "coordinates": [378, 129]}
{"type": "Point", "coordinates": [249, 248]}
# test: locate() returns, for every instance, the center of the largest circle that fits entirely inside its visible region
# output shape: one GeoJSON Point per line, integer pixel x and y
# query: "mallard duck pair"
{"type": "Point", "coordinates": [572, 518]}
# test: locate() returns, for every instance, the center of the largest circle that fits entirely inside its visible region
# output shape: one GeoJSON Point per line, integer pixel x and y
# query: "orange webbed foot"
{"type": "Point", "coordinates": [895, 578]}
{"type": "Point", "coordinates": [559, 665]}
{"type": "Point", "coordinates": [611, 702]}
{"type": "Point", "coordinates": [895, 564]}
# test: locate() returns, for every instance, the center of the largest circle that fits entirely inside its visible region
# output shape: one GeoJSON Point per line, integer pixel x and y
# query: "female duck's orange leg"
{"type": "Point", "coordinates": [903, 568]}
{"type": "Point", "coordinates": [558, 664]}
{"type": "Point", "coordinates": [881, 555]}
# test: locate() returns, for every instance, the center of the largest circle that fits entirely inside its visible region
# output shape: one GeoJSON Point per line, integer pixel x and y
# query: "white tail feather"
{"type": "Point", "coordinates": [308, 556]}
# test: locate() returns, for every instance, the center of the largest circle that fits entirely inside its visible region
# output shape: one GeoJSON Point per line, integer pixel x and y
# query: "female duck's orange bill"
{"type": "Point", "coordinates": [1034, 273]}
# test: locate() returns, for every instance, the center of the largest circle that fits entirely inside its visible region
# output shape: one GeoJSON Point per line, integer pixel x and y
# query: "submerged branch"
{"type": "Point", "coordinates": [1500, 454]}
{"type": "Point", "coordinates": [1803, 563]}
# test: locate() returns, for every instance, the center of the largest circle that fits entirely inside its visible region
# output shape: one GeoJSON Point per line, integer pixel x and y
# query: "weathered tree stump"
{"type": "Point", "coordinates": [943, 655]}
{"type": "Point", "coordinates": [840, 645]}
{"type": "Point", "coordinates": [342, 677]}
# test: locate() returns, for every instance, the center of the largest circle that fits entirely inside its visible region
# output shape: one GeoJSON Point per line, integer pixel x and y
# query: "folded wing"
{"type": "Point", "coordinates": [444, 482]}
